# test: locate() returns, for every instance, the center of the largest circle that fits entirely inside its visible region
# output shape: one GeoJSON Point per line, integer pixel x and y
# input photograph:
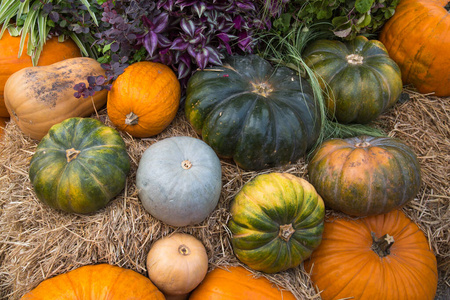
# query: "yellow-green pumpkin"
{"type": "Point", "coordinates": [276, 222]}
{"type": "Point", "coordinates": [79, 166]}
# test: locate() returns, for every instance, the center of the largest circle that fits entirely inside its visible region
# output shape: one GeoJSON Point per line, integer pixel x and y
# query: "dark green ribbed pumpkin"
{"type": "Point", "coordinates": [276, 222]}
{"type": "Point", "coordinates": [360, 79]}
{"type": "Point", "coordinates": [258, 115]}
{"type": "Point", "coordinates": [365, 175]}
{"type": "Point", "coordinates": [79, 166]}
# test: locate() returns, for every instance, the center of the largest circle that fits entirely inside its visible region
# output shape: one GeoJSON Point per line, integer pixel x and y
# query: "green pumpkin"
{"type": "Point", "coordinates": [79, 166]}
{"type": "Point", "coordinates": [365, 175]}
{"type": "Point", "coordinates": [258, 115]}
{"type": "Point", "coordinates": [358, 77]}
{"type": "Point", "coordinates": [276, 222]}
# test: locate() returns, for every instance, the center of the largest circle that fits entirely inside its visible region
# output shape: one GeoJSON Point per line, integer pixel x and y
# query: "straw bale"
{"type": "Point", "coordinates": [37, 242]}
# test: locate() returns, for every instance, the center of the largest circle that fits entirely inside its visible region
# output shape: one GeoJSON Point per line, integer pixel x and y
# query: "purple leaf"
{"type": "Point", "coordinates": [179, 45]}
{"type": "Point", "coordinates": [161, 22]}
{"type": "Point", "coordinates": [202, 58]}
{"type": "Point", "coordinates": [214, 57]}
{"type": "Point", "coordinates": [151, 42]}
{"type": "Point", "coordinates": [187, 26]}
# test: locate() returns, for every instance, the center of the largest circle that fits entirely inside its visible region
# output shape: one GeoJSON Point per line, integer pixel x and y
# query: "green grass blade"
{"type": "Point", "coordinates": [31, 19]}
{"type": "Point", "coordinates": [8, 9]}
{"type": "Point", "coordinates": [79, 43]}
{"type": "Point", "coordinates": [88, 5]}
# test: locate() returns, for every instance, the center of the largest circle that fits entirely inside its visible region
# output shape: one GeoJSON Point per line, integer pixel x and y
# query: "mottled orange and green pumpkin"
{"type": "Point", "coordinates": [365, 175]}
{"type": "Point", "coordinates": [358, 77]}
{"type": "Point", "coordinates": [96, 282]}
{"type": "Point", "coordinates": [79, 166]}
{"type": "Point", "coordinates": [377, 257]}
{"type": "Point", "coordinates": [276, 222]}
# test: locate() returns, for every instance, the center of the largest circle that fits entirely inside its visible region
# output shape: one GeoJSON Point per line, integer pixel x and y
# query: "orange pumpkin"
{"type": "Point", "coordinates": [52, 52]}
{"type": "Point", "coordinates": [417, 38]}
{"type": "Point", "coordinates": [377, 257]}
{"type": "Point", "coordinates": [96, 282]}
{"type": "Point", "coordinates": [237, 283]}
{"type": "Point", "coordinates": [144, 99]}
{"type": "Point", "coordinates": [39, 97]}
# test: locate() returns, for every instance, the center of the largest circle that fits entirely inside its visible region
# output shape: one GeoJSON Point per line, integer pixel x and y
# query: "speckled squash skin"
{"type": "Point", "coordinates": [253, 113]}
{"type": "Point", "coordinates": [361, 81]}
{"type": "Point", "coordinates": [39, 97]}
{"type": "Point", "coordinates": [237, 283]}
{"type": "Point", "coordinates": [276, 222]}
{"type": "Point", "coordinates": [96, 282]}
{"type": "Point", "coordinates": [52, 52]}
{"type": "Point", "coordinates": [179, 180]}
{"type": "Point", "coordinates": [377, 257]}
{"type": "Point", "coordinates": [79, 166]}
{"type": "Point", "coordinates": [365, 175]}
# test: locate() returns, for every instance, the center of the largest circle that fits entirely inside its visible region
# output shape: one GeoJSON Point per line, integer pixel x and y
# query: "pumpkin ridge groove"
{"type": "Point", "coordinates": [84, 155]}
{"type": "Point", "coordinates": [384, 83]}
{"type": "Point", "coordinates": [269, 219]}
{"type": "Point", "coordinates": [57, 189]}
{"type": "Point", "coordinates": [100, 185]}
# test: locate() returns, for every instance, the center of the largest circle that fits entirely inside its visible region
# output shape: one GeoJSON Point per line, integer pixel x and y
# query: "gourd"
{"type": "Point", "coordinates": [52, 52]}
{"type": "Point", "coordinates": [237, 283]}
{"type": "Point", "coordinates": [377, 257]}
{"type": "Point", "coordinates": [176, 264]}
{"type": "Point", "coordinates": [96, 282]}
{"type": "Point", "coordinates": [39, 97]}
{"type": "Point", "coordinates": [417, 38]}
{"type": "Point", "coordinates": [258, 115]}
{"type": "Point", "coordinates": [79, 166]}
{"type": "Point", "coordinates": [179, 180]}
{"type": "Point", "coordinates": [365, 175]}
{"type": "Point", "coordinates": [359, 79]}
{"type": "Point", "coordinates": [144, 99]}
{"type": "Point", "coordinates": [276, 222]}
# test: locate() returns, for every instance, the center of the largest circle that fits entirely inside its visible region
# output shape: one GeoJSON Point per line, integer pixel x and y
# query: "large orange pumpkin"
{"type": "Point", "coordinates": [96, 282]}
{"type": "Point", "coordinates": [377, 257]}
{"type": "Point", "coordinates": [10, 63]}
{"type": "Point", "coordinates": [237, 283]}
{"type": "Point", "coordinates": [417, 38]}
{"type": "Point", "coordinates": [144, 99]}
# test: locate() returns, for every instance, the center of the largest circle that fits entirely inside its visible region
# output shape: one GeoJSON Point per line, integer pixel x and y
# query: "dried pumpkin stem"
{"type": "Point", "coordinates": [71, 154]}
{"type": "Point", "coordinates": [286, 231]}
{"type": "Point", "coordinates": [362, 145]}
{"type": "Point", "coordinates": [186, 164]}
{"type": "Point", "coordinates": [262, 88]}
{"type": "Point", "coordinates": [354, 59]}
{"type": "Point", "coordinates": [382, 246]}
{"type": "Point", "coordinates": [131, 119]}
{"type": "Point", "coordinates": [184, 250]}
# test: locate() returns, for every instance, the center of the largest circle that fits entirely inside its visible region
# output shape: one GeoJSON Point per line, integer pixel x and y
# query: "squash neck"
{"type": "Point", "coordinates": [382, 246]}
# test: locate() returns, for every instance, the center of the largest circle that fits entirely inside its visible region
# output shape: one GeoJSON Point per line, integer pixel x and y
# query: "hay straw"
{"type": "Point", "coordinates": [37, 242]}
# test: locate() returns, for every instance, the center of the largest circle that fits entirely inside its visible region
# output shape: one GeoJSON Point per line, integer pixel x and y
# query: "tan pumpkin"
{"type": "Point", "coordinates": [39, 97]}
{"type": "Point", "coordinates": [144, 99]}
{"type": "Point", "coordinates": [10, 61]}
{"type": "Point", "coordinates": [96, 282]}
{"type": "Point", "coordinates": [177, 264]}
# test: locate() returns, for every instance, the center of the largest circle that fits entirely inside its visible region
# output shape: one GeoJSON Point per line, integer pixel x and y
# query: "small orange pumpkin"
{"type": "Point", "coordinates": [96, 282]}
{"type": "Point", "coordinates": [237, 283]}
{"type": "Point", "coordinates": [377, 257]}
{"type": "Point", "coordinates": [52, 52]}
{"type": "Point", "coordinates": [144, 99]}
{"type": "Point", "coordinates": [39, 97]}
{"type": "Point", "coordinates": [176, 264]}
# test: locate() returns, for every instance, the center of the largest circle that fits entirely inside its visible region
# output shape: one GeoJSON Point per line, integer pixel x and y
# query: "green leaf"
{"type": "Point", "coordinates": [79, 43]}
{"type": "Point", "coordinates": [363, 6]}
{"type": "Point", "coordinates": [339, 21]}
{"type": "Point", "coordinates": [88, 5]}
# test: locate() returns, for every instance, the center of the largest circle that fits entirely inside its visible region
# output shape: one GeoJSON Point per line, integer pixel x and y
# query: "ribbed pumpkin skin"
{"type": "Point", "coordinates": [88, 181]}
{"type": "Point", "coordinates": [358, 91]}
{"type": "Point", "coordinates": [39, 97]}
{"type": "Point", "coordinates": [344, 265]}
{"type": "Point", "coordinates": [96, 282]}
{"type": "Point", "coordinates": [52, 52]}
{"type": "Point", "coordinates": [237, 283]}
{"type": "Point", "coordinates": [417, 38]}
{"type": "Point", "coordinates": [173, 191]}
{"type": "Point", "coordinates": [148, 90]}
{"type": "Point", "coordinates": [248, 111]}
{"type": "Point", "coordinates": [364, 175]}
{"type": "Point", "coordinates": [276, 222]}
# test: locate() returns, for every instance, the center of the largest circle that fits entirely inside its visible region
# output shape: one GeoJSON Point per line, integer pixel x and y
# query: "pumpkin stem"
{"type": "Point", "coordinates": [184, 250]}
{"type": "Point", "coordinates": [362, 145]}
{"type": "Point", "coordinates": [71, 154]}
{"type": "Point", "coordinates": [262, 89]}
{"type": "Point", "coordinates": [354, 59]}
{"type": "Point", "coordinates": [381, 246]}
{"type": "Point", "coordinates": [286, 231]}
{"type": "Point", "coordinates": [131, 119]}
{"type": "Point", "coordinates": [186, 164]}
